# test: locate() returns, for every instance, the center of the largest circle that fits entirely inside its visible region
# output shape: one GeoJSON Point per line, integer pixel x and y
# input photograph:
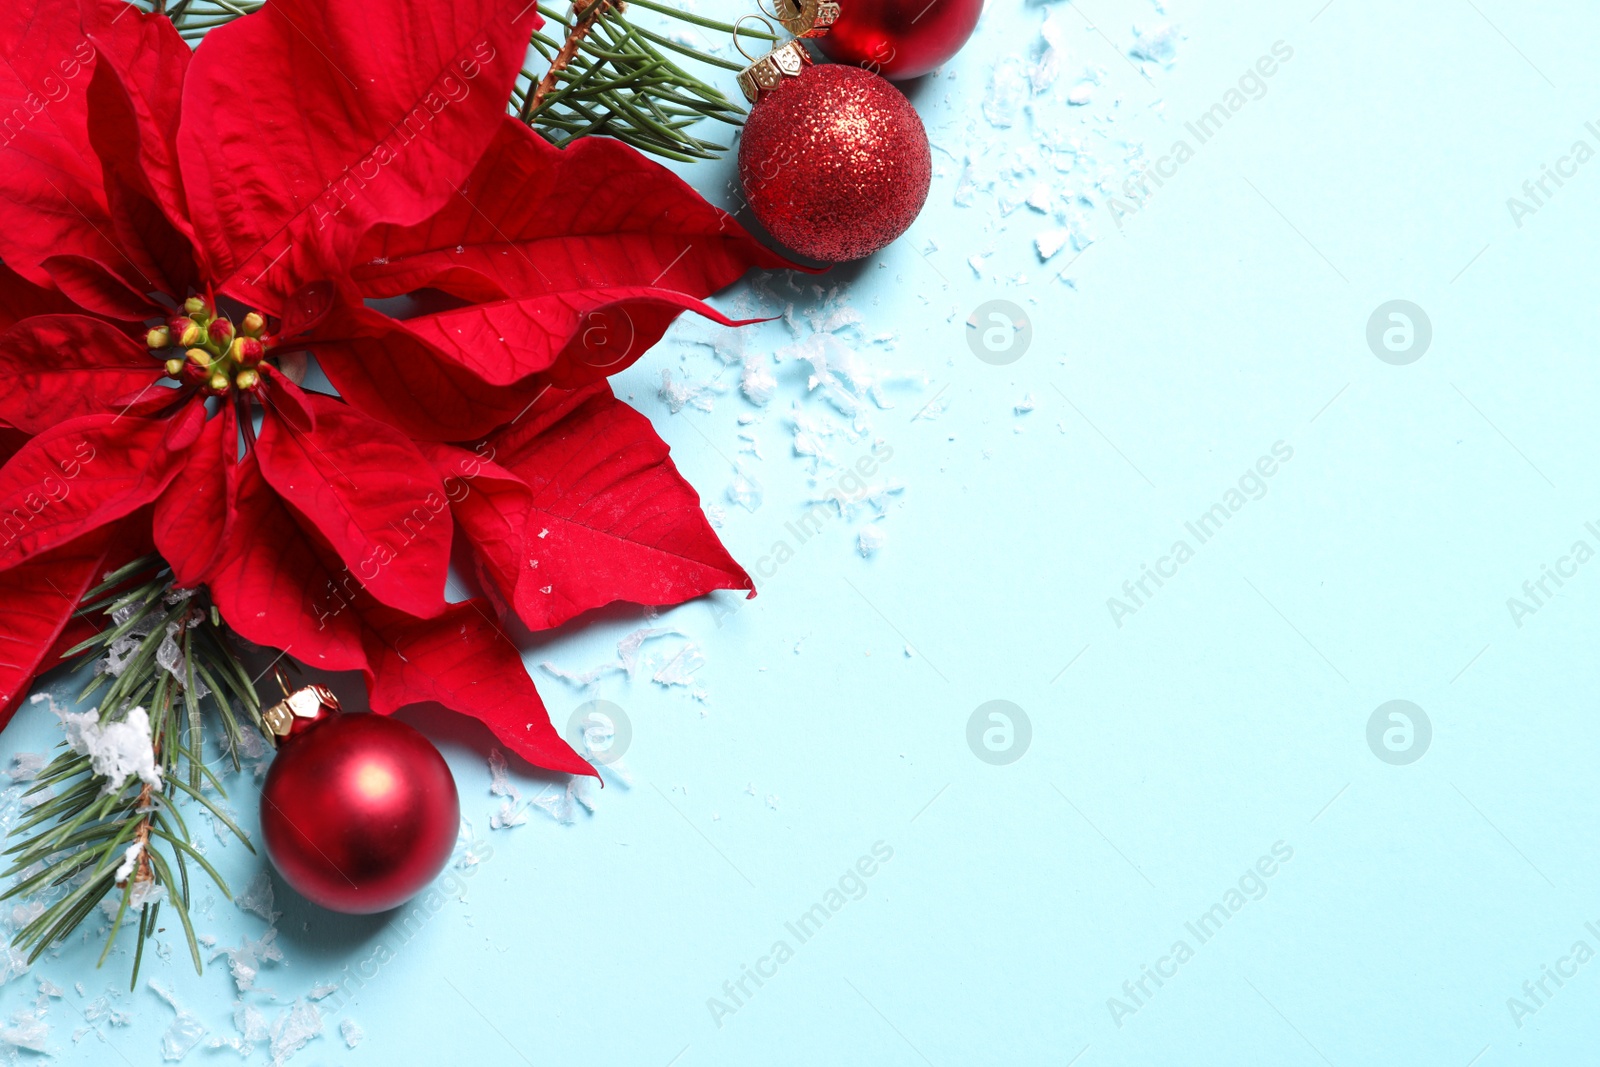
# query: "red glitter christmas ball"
{"type": "Point", "coordinates": [835, 162]}
{"type": "Point", "coordinates": [358, 812]}
{"type": "Point", "coordinates": [900, 38]}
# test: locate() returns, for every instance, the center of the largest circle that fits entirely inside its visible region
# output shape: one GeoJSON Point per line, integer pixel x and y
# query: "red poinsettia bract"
{"type": "Point", "coordinates": [177, 229]}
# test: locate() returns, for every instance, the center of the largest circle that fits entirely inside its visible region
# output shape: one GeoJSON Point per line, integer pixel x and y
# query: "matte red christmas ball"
{"type": "Point", "coordinates": [835, 162]}
{"type": "Point", "coordinates": [358, 812]}
{"type": "Point", "coordinates": [900, 38]}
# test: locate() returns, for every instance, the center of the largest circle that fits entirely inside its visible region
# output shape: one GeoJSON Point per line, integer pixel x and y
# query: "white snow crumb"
{"type": "Point", "coordinates": [1080, 94]}
{"type": "Point", "coordinates": [911, 653]}
{"type": "Point", "coordinates": [185, 1031]}
{"type": "Point", "coordinates": [715, 516]}
{"type": "Point", "coordinates": [680, 669]}
{"type": "Point", "coordinates": [252, 1027]}
{"type": "Point", "coordinates": [244, 962]}
{"type": "Point", "coordinates": [252, 746]}
{"type": "Point", "coordinates": [870, 539]}
{"type": "Point", "coordinates": [630, 647]}
{"type": "Point", "coordinates": [322, 992]}
{"type": "Point", "coordinates": [1048, 242]}
{"type": "Point", "coordinates": [556, 802]}
{"type": "Point", "coordinates": [756, 381]}
{"type": "Point", "coordinates": [466, 840]}
{"type": "Point", "coordinates": [511, 813]}
{"type": "Point", "coordinates": [27, 1030]}
{"type": "Point", "coordinates": [146, 892]}
{"type": "Point", "coordinates": [100, 1008]}
{"type": "Point", "coordinates": [1025, 405]}
{"type": "Point", "coordinates": [130, 862]}
{"type": "Point", "coordinates": [1049, 51]}
{"type": "Point", "coordinates": [352, 1033]}
{"type": "Point", "coordinates": [168, 654]}
{"type": "Point", "coordinates": [1007, 93]}
{"type": "Point", "coordinates": [257, 898]}
{"type": "Point", "coordinates": [745, 490]}
{"type": "Point", "coordinates": [48, 988]}
{"type": "Point", "coordinates": [1158, 43]}
{"type": "Point", "coordinates": [772, 801]}
{"type": "Point", "coordinates": [676, 396]}
{"type": "Point", "coordinates": [119, 749]}
{"type": "Point", "coordinates": [499, 782]}
{"type": "Point", "coordinates": [751, 789]}
{"type": "Point", "coordinates": [25, 766]}
{"type": "Point", "coordinates": [507, 816]}
{"type": "Point", "coordinates": [294, 1029]}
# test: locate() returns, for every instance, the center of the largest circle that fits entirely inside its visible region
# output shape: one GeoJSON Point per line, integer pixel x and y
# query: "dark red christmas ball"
{"type": "Point", "coordinates": [835, 162]}
{"type": "Point", "coordinates": [358, 812]}
{"type": "Point", "coordinates": [900, 39]}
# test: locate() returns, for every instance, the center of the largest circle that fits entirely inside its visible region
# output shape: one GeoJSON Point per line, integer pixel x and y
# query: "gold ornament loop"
{"type": "Point", "coordinates": [804, 18]}
{"type": "Point", "coordinates": [740, 47]}
{"type": "Point", "coordinates": [768, 72]}
{"type": "Point", "coordinates": [304, 703]}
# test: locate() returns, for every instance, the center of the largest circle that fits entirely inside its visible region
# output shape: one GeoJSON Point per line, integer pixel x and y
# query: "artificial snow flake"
{"type": "Point", "coordinates": [119, 749]}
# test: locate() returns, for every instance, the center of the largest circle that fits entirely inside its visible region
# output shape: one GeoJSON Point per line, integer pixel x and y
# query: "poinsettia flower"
{"type": "Point", "coordinates": [177, 231]}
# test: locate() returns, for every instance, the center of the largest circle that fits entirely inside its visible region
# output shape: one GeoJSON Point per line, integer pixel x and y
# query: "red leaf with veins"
{"type": "Point", "coordinates": [51, 201]}
{"type": "Point", "coordinates": [590, 332]}
{"type": "Point", "coordinates": [142, 184]}
{"type": "Point", "coordinates": [95, 286]}
{"type": "Point", "coordinates": [20, 298]}
{"type": "Point", "coordinates": [134, 104]}
{"type": "Point", "coordinates": [609, 517]}
{"type": "Point", "coordinates": [464, 661]}
{"type": "Point", "coordinates": [59, 367]}
{"type": "Point", "coordinates": [192, 518]}
{"type": "Point", "coordinates": [274, 586]}
{"type": "Point", "coordinates": [534, 218]}
{"type": "Point", "coordinates": [77, 477]}
{"type": "Point", "coordinates": [285, 399]}
{"type": "Point", "coordinates": [371, 494]}
{"type": "Point", "coordinates": [381, 368]}
{"type": "Point", "coordinates": [319, 120]}
{"type": "Point", "coordinates": [492, 505]}
{"type": "Point", "coordinates": [40, 596]}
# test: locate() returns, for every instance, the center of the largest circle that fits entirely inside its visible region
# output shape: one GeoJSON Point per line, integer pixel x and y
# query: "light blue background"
{"type": "Point", "coordinates": [1228, 714]}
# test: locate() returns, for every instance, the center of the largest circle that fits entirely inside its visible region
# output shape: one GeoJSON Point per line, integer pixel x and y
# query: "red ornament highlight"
{"type": "Point", "coordinates": [900, 39]}
{"type": "Point", "coordinates": [835, 162]}
{"type": "Point", "coordinates": [358, 812]}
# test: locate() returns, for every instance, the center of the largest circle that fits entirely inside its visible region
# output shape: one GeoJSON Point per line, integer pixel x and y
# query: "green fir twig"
{"type": "Point", "coordinates": [596, 72]}
{"type": "Point", "coordinates": [86, 829]}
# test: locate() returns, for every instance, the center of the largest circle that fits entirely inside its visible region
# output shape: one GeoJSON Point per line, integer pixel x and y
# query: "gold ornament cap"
{"type": "Point", "coordinates": [768, 72]}
{"type": "Point", "coordinates": [806, 18]}
{"type": "Point", "coordinates": [304, 703]}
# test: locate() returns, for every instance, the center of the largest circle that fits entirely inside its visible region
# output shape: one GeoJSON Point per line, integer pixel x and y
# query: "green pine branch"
{"type": "Point", "coordinates": [611, 75]}
{"type": "Point", "coordinates": [87, 837]}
